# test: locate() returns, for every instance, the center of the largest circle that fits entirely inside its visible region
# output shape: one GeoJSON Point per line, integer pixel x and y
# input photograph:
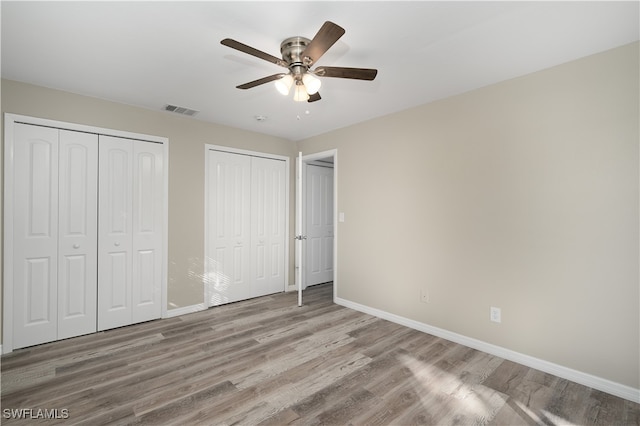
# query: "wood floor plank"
{"type": "Point", "coordinates": [268, 361]}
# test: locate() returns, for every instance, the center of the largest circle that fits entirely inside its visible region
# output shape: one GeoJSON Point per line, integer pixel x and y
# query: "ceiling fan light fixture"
{"type": "Point", "coordinates": [300, 94]}
{"type": "Point", "coordinates": [311, 83]}
{"type": "Point", "coordinates": [284, 84]}
{"type": "Point", "coordinates": [298, 54]}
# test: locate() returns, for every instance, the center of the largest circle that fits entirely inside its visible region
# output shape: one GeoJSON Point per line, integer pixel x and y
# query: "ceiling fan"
{"type": "Point", "coordinates": [298, 55]}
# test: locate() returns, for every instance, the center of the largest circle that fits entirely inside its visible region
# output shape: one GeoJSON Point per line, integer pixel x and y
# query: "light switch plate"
{"type": "Point", "coordinates": [496, 314]}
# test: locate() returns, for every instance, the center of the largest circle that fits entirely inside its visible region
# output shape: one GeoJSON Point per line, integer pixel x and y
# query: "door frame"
{"type": "Point", "coordinates": [10, 121]}
{"type": "Point", "coordinates": [207, 249]}
{"type": "Point", "coordinates": [300, 213]}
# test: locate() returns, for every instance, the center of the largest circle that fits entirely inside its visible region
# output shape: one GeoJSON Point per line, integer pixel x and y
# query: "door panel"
{"type": "Point", "coordinates": [37, 291]}
{"type": "Point", "coordinates": [147, 232]}
{"type": "Point", "coordinates": [35, 235]}
{"type": "Point", "coordinates": [114, 232]}
{"type": "Point", "coordinates": [299, 258]}
{"type": "Point", "coordinates": [77, 228]}
{"type": "Point", "coordinates": [319, 224]}
{"type": "Point", "coordinates": [144, 289]}
{"type": "Point", "coordinates": [229, 233]}
{"type": "Point", "coordinates": [267, 225]}
{"type": "Point", "coordinates": [115, 296]}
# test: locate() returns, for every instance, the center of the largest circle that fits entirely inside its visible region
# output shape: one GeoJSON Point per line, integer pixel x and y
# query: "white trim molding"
{"type": "Point", "coordinates": [595, 382]}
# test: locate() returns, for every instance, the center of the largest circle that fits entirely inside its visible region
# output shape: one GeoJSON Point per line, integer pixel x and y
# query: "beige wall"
{"type": "Point", "coordinates": [187, 138]}
{"type": "Point", "coordinates": [523, 195]}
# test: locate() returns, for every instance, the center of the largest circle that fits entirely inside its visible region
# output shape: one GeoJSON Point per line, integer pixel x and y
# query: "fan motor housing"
{"type": "Point", "coordinates": [292, 48]}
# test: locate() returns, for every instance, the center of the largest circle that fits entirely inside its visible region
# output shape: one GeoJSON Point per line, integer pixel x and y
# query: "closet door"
{"type": "Point", "coordinates": [77, 233]}
{"type": "Point", "coordinates": [130, 255]}
{"type": "Point", "coordinates": [147, 230]}
{"type": "Point", "coordinates": [35, 235]}
{"type": "Point", "coordinates": [85, 220]}
{"type": "Point", "coordinates": [115, 241]}
{"type": "Point", "coordinates": [267, 225]}
{"type": "Point", "coordinates": [229, 271]}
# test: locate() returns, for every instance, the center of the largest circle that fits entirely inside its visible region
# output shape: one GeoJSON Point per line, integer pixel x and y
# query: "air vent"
{"type": "Point", "coordinates": [181, 110]}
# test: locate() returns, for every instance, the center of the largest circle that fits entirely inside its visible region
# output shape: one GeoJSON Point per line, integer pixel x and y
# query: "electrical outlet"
{"type": "Point", "coordinates": [424, 295]}
{"type": "Point", "coordinates": [495, 315]}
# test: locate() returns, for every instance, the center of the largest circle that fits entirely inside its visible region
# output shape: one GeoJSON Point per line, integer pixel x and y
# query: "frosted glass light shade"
{"type": "Point", "coordinates": [300, 94]}
{"type": "Point", "coordinates": [311, 83]}
{"type": "Point", "coordinates": [284, 84]}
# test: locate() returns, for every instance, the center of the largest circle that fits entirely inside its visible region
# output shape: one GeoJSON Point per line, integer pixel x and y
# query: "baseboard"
{"type": "Point", "coordinates": [604, 385]}
{"type": "Point", "coordinates": [185, 310]}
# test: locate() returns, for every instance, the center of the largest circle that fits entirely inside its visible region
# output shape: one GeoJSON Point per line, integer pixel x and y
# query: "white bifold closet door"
{"type": "Point", "coordinates": [54, 234]}
{"type": "Point", "coordinates": [130, 231]}
{"type": "Point", "coordinates": [246, 232]}
{"type": "Point", "coordinates": [267, 225]}
{"type": "Point", "coordinates": [77, 233]}
{"type": "Point", "coordinates": [87, 233]}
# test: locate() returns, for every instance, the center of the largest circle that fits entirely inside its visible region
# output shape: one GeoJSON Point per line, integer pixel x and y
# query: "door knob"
{"type": "Point", "coordinates": [116, 244]}
{"type": "Point", "coordinates": [75, 246]}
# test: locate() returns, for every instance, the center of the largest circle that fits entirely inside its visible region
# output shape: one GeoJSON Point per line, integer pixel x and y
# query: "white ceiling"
{"type": "Point", "coordinates": [150, 54]}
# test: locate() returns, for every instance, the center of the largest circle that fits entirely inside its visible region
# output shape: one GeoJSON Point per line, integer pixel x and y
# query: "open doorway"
{"type": "Point", "coordinates": [318, 224]}
{"type": "Point", "coordinates": [316, 213]}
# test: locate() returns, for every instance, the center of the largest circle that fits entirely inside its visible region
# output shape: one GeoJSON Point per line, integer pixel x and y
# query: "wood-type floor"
{"type": "Point", "coordinates": [268, 361]}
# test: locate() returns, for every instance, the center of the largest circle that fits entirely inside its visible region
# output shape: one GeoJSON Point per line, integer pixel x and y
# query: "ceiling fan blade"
{"type": "Point", "coordinates": [326, 36]}
{"type": "Point", "coordinates": [260, 81]}
{"type": "Point", "coordinates": [253, 51]}
{"type": "Point", "coordinates": [342, 72]}
{"type": "Point", "coordinates": [314, 97]}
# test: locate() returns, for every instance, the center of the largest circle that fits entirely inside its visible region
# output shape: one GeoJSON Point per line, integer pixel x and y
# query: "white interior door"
{"type": "Point", "coordinates": [323, 192]}
{"type": "Point", "coordinates": [35, 234]}
{"type": "Point", "coordinates": [147, 230]}
{"type": "Point", "coordinates": [115, 232]}
{"type": "Point", "coordinates": [299, 235]}
{"type": "Point", "coordinates": [77, 234]}
{"type": "Point", "coordinates": [229, 234]}
{"type": "Point", "coordinates": [267, 225]}
{"type": "Point", "coordinates": [318, 224]}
